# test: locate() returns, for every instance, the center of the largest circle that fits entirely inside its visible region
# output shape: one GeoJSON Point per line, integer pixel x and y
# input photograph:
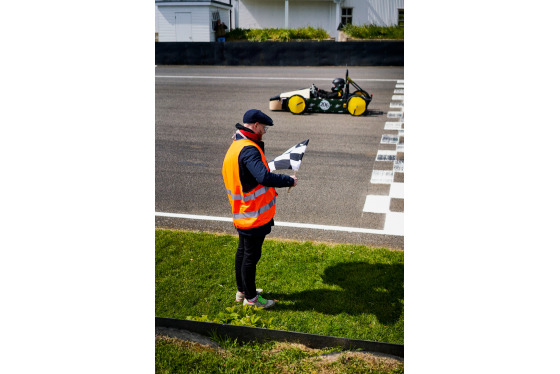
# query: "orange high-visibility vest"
{"type": "Point", "coordinates": [250, 209]}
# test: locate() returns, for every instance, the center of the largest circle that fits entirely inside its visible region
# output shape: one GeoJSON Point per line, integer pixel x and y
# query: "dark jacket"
{"type": "Point", "coordinates": [329, 95]}
{"type": "Point", "coordinates": [253, 172]}
{"type": "Point", "coordinates": [220, 30]}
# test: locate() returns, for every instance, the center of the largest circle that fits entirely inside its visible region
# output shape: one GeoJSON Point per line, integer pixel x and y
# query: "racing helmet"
{"type": "Point", "coordinates": [337, 84]}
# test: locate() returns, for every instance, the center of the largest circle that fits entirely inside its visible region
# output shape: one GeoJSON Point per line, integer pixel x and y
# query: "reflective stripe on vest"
{"type": "Point", "coordinates": [253, 208]}
{"type": "Point", "coordinates": [255, 213]}
{"type": "Point", "coordinates": [250, 197]}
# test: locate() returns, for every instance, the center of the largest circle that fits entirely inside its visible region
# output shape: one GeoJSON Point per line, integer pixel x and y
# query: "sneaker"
{"type": "Point", "coordinates": [240, 296]}
{"type": "Point", "coordinates": [261, 302]}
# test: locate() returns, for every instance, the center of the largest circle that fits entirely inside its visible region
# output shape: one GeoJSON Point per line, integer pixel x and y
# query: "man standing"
{"type": "Point", "coordinates": [220, 30]}
{"type": "Point", "coordinates": [250, 187]}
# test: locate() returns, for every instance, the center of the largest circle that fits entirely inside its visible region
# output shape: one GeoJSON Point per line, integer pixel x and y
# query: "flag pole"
{"type": "Point", "coordinates": [289, 189]}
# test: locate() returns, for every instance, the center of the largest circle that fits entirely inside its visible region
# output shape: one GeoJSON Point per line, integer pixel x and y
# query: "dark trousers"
{"type": "Point", "coordinates": [246, 259]}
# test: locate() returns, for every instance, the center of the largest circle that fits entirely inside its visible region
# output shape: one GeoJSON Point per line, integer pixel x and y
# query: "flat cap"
{"type": "Point", "coordinates": [255, 115]}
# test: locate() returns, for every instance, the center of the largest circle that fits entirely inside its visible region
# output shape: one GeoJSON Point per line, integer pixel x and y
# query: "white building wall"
{"type": "Point", "coordinates": [316, 13]}
{"type": "Point", "coordinates": [156, 12]}
{"type": "Point", "coordinates": [259, 14]}
{"type": "Point", "coordinates": [270, 14]}
{"type": "Point", "coordinates": [255, 14]}
{"type": "Point", "coordinates": [312, 13]}
{"type": "Point", "coordinates": [201, 18]}
{"type": "Point", "coordinates": [379, 12]}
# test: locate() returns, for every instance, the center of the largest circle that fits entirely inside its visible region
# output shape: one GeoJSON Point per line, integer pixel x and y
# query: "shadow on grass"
{"type": "Point", "coordinates": [367, 288]}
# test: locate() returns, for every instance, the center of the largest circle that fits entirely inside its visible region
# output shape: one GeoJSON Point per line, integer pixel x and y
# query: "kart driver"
{"type": "Point", "coordinates": [336, 88]}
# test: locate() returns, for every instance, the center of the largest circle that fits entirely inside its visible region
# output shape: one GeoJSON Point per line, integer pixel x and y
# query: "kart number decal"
{"type": "Point", "coordinates": [325, 105]}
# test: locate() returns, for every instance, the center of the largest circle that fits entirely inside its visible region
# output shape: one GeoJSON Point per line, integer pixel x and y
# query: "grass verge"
{"type": "Point", "coordinates": [340, 290]}
{"type": "Point", "coordinates": [178, 356]}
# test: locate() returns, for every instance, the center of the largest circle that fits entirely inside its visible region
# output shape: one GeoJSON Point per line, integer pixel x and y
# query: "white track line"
{"type": "Point", "coordinates": [262, 78]}
{"type": "Point", "coordinates": [287, 224]}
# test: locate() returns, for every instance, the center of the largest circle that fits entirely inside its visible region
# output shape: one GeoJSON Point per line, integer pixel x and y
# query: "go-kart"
{"type": "Point", "coordinates": [313, 100]}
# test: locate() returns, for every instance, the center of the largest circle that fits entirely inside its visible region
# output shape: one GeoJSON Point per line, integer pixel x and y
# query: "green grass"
{"type": "Point", "coordinates": [177, 356]}
{"type": "Point", "coordinates": [340, 290]}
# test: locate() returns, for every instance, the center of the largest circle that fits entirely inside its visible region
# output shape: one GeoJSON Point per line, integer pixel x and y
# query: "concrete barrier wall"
{"type": "Point", "coordinates": [323, 53]}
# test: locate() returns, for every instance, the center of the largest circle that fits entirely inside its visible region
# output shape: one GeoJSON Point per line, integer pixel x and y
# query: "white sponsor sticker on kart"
{"type": "Point", "coordinates": [324, 104]}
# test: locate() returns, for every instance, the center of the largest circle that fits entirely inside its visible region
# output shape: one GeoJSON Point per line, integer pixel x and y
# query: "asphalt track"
{"type": "Point", "coordinates": [196, 108]}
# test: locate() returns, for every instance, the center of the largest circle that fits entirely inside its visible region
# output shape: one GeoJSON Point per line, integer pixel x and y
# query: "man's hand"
{"type": "Point", "coordinates": [295, 180]}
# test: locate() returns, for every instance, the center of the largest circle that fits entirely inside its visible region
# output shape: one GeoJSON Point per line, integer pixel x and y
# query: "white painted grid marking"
{"type": "Point", "coordinates": [398, 166]}
{"type": "Point", "coordinates": [377, 204]}
{"type": "Point", "coordinates": [393, 125]}
{"type": "Point", "coordinates": [397, 190]}
{"type": "Point", "coordinates": [394, 221]}
{"type": "Point", "coordinates": [389, 139]}
{"type": "Point", "coordinates": [386, 155]}
{"type": "Point", "coordinates": [382, 176]}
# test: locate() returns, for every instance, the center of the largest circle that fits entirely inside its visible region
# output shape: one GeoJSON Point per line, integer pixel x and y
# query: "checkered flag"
{"type": "Point", "coordinates": [291, 159]}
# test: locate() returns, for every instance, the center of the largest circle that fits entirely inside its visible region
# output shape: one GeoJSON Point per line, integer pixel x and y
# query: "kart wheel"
{"type": "Point", "coordinates": [296, 104]}
{"type": "Point", "coordinates": [356, 105]}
